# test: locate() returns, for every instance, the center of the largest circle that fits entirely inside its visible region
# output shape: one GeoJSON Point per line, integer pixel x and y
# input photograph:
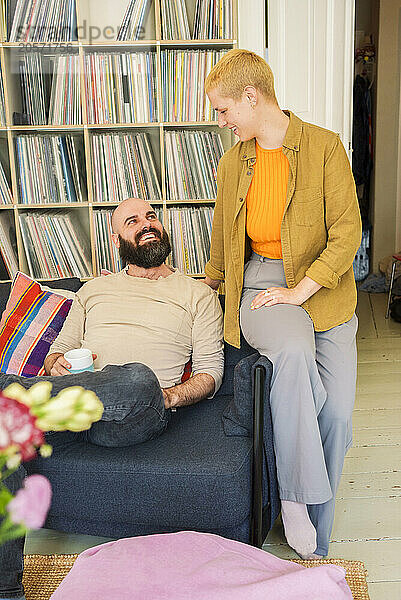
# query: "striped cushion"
{"type": "Point", "coordinates": [32, 320]}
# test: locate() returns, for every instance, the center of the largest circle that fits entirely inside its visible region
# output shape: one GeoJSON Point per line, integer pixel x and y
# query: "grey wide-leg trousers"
{"type": "Point", "coordinates": [312, 394]}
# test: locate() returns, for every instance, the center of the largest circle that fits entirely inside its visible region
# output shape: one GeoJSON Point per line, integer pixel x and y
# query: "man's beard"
{"type": "Point", "coordinates": [148, 255]}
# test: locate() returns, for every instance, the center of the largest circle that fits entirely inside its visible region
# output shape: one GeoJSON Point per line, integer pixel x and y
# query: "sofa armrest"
{"type": "Point", "coordinates": [238, 415]}
{"type": "Point", "coordinates": [248, 414]}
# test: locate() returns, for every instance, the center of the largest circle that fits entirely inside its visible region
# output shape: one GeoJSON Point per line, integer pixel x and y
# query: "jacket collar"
{"type": "Point", "coordinates": [291, 140]}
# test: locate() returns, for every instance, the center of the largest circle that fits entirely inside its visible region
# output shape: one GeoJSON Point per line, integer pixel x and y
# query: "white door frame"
{"type": "Point", "coordinates": [398, 189]}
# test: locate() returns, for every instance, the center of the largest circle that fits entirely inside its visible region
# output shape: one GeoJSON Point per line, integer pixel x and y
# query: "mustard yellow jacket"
{"type": "Point", "coordinates": [320, 230]}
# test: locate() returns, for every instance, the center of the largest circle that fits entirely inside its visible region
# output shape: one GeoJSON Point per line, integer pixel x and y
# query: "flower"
{"type": "Point", "coordinates": [31, 503]}
{"type": "Point", "coordinates": [24, 416]}
{"type": "Point", "coordinates": [18, 430]}
{"type": "Point", "coordinates": [73, 408]}
{"type": "Point", "coordinates": [37, 394]}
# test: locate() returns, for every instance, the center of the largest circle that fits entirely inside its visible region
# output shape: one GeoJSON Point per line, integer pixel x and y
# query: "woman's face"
{"type": "Point", "coordinates": [237, 115]}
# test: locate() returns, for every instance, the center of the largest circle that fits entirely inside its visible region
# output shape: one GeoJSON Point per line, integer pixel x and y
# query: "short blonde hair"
{"type": "Point", "coordinates": [237, 69]}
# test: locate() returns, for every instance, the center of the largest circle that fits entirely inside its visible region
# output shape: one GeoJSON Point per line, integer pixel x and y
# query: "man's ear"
{"type": "Point", "coordinates": [116, 240]}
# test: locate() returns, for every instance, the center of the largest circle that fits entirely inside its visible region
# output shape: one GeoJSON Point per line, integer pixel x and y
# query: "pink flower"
{"type": "Point", "coordinates": [30, 505]}
{"type": "Point", "coordinates": [18, 429]}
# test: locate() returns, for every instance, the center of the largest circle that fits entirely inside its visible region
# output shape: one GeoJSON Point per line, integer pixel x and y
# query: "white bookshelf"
{"type": "Point", "coordinates": [98, 21]}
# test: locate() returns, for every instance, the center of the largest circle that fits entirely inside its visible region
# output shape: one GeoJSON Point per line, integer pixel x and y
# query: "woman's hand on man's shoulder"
{"type": "Point", "coordinates": [213, 283]}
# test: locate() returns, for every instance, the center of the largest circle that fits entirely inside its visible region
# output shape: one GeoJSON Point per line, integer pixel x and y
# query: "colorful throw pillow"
{"type": "Point", "coordinates": [31, 321]}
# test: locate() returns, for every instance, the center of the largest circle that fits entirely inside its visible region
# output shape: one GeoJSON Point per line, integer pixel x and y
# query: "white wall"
{"type": "Point", "coordinates": [311, 54]}
{"type": "Point", "coordinates": [386, 218]}
{"type": "Point", "coordinates": [252, 25]}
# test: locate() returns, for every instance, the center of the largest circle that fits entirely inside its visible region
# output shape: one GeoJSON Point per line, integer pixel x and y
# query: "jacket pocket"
{"type": "Point", "coordinates": [308, 206]}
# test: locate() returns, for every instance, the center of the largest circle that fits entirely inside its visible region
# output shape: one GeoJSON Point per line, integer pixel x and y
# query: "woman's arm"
{"type": "Point", "coordinates": [213, 283]}
{"type": "Point", "coordinates": [279, 295]}
{"type": "Point", "coordinates": [343, 220]}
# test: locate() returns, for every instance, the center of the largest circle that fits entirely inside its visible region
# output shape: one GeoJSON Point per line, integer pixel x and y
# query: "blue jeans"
{"type": "Point", "coordinates": [133, 412]}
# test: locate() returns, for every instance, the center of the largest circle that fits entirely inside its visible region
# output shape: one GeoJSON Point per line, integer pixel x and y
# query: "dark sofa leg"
{"type": "Point", "coordinates": [257, 459]}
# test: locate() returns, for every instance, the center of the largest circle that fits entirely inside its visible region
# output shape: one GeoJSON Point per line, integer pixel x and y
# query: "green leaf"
{"type": "Point", "coordinates": [10, 530]}
{"type": "Point", "coordinates": [5, 497]}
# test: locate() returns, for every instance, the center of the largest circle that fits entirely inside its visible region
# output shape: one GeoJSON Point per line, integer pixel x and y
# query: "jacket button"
{"type": "Point", "coordinates": [249, 173]}
{"type": "Point", "coordinates": [244, 156]}
{"type": "Point", "coordinates": [241, 199]}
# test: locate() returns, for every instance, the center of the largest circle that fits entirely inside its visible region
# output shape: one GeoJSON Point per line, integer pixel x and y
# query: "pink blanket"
{"type": "Point", "coordinates": [195, 566]}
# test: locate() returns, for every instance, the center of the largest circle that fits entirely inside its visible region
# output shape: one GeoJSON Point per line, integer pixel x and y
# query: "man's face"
{"type": "Point", "coordinates": [141, 238]}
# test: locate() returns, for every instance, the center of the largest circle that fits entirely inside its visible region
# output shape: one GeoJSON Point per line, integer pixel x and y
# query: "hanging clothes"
{"type": "Point", "coordinates": [362, 156]}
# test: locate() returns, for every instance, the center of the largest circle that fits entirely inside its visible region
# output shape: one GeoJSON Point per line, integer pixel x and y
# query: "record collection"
{"type": "Point", "coordinates": [48, 169]}
{"type": "Point", "coordinates": [174, 20]}
{"type": "Point", "coordinates": [8, 251]}
{"type": "Point", "coordinates": [121, 87]}
{"type": "Point", "coordinates": [107, 256]}
{"type": "Point", "coordinates": [55, 245]}
{"type": "Point", "coordinates": [183, 70]}
{"type": "Point", "coordinates": [123, 167]}
{"type": "Point", "coordinates": [191, 164]}
{"type": "Point", "coordinates": [41, 20]}
{"type": "Point", "coordinates": [50, 90]}
{"type": "Point", "coordinates": [5, 192]}
{"type": "Point", "coordinates": [190, 230]}
{"type": "Point", "coordinates": [65, 97]}
{"type": "Point", "coordinates": [213, 20]}
{"type": "Point", "coordinates": [2, 104]}
{"type": "Point", "coordinates": [132, 24]}
{"type": "Point", "coordinates": [101, 102]}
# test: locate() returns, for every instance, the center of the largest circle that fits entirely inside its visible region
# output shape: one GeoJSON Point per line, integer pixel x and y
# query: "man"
{"type": "Point", "coordinates": [142, 325]}
{"type": "Point", "coordinates": [147, 313]}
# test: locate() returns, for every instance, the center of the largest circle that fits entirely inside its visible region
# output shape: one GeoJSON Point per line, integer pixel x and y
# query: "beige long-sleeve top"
{"type": "Point", "coordinates": [161, 323]}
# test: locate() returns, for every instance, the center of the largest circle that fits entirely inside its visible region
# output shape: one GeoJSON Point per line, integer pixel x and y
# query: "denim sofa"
{"type": "Point", "coordinates": [212, 470]}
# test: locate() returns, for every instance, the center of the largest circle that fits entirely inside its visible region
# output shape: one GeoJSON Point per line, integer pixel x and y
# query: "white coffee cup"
{"type": "Point", "coordinates": [80, 360]}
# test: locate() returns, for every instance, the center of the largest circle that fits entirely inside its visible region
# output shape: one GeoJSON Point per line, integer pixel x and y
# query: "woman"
{"type": "Point", "coordinates": [285, 232]}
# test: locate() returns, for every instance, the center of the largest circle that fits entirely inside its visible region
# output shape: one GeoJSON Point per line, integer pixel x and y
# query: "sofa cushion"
{"type": "Point", "coordinates": [191, 477]}
{"type": "Point", "coordinates": [31, 321]}
{"type": "Point", "coordinates": [69, 283]}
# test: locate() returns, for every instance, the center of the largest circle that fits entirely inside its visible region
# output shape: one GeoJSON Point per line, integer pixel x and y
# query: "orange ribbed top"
{"type": "Point", "coordinates": [265, 201]}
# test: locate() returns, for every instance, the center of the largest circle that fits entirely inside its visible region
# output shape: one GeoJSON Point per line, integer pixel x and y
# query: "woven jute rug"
{"type": "Point", "coordinates": [44, 573]}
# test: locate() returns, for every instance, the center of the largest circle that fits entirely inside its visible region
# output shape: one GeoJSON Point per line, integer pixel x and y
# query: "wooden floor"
{"type": "Point", "coordinates": [368, 511]}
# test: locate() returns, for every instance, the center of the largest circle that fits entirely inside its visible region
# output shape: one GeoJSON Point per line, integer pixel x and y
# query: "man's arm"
{"type": "Point", "coordinates": [69, 338]}
{"type": "Point", "coordinates": [55, 364]}
{"type": "Point", "coordinates": [207, 353]}
{"type": "Point", "coordinates": [196, 388]}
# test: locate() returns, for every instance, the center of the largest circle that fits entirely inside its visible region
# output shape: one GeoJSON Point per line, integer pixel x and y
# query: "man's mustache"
{"type": "Point", "coordinates": [149, 230]}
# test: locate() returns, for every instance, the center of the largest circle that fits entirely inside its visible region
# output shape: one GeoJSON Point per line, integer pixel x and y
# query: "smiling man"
{"type": "Point", "coordinates": [152, 317]}
{"type": "Point", "coordinates": [143, 324]}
